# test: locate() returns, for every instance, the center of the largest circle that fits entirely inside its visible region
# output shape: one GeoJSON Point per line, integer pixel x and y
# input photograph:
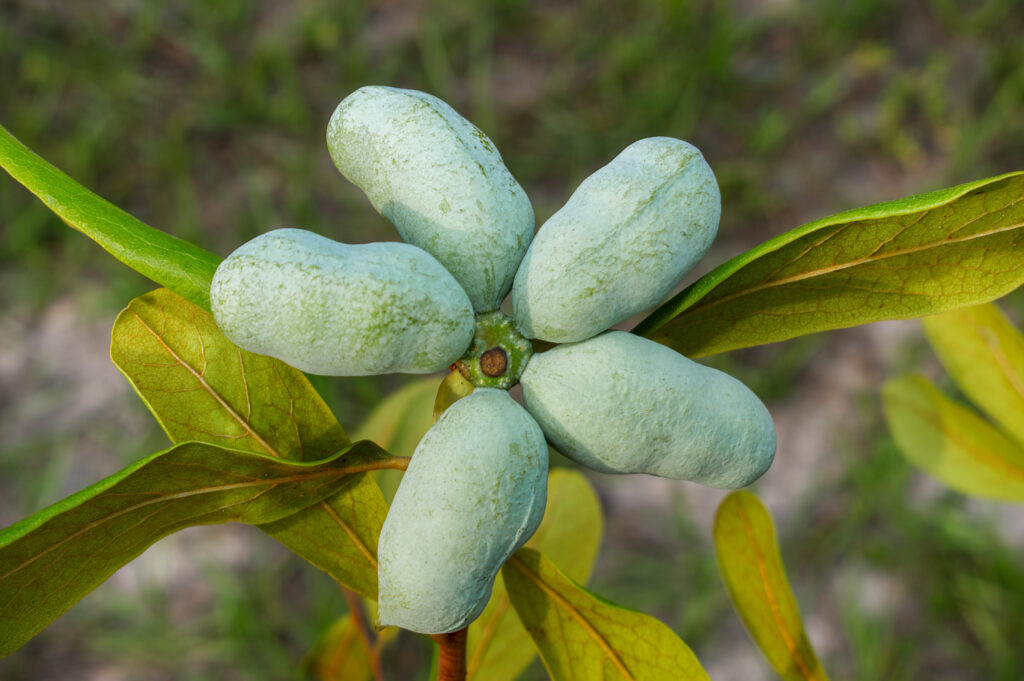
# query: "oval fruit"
{"type": "Point", "coordinates": [619, 403]}
{"type": "Point", "coordinates": [474, 493]}
{"type": "Point", "coordinates": [439, 180]}
{"type": "Point", "coordinates": [621, 243]}
{"type": "Point", "coordinates": [341, 310]}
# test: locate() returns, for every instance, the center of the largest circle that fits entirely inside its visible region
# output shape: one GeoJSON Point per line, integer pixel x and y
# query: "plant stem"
{"type": "Point", "coordinates": [451, 664]}
{"type": "Point", "coordinates": [355, 608]}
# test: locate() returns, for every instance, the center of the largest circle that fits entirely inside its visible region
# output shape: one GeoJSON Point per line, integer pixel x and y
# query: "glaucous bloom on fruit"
{"type": "Point", "coordinates": [341, 310]}
{"type": "Point", "coordinates": [619, 403]}
{"type": "Point", "coordinates": [439, 180]}
{"type": "Point", "coordinates": [620, 244]}
{"type": "Point", "coordinates": [475, 488]}
{"type": "Point", "coordinates": [473, 494]}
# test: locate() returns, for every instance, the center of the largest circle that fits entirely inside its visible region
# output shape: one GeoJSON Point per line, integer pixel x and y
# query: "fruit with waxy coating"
{"type": "Point", "coordinates": [341, 310]}
{"type": "Point", "coordinates": [621, 243]}
{"type": "Point", "coordinates": [439, 180]}
{"type": "Point", "coordinates": [619, 403]}
{"type": "Point", "coordinates": [474, 493]}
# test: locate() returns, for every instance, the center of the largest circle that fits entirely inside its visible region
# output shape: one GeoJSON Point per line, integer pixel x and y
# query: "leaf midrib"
{"type": "Point", "coordinates": [697, 307]}
{"type": "Point", "coordinates": [575, 614]}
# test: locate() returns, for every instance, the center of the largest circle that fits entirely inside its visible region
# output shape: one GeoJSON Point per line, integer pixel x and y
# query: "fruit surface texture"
{"type": "Point", "coordinates": [439, 180]}
{"type": "Point", "coordinates": [618, 403]}
{"type": "Point", "coordinates": [620, 244]}
{"type": "Point", "coordinates": [341, 310]}
{"type": "Point", "coordinates": [474, 493]}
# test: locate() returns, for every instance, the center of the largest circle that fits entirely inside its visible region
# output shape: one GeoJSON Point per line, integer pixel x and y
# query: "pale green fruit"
{"type": "Point", "coordinates": [341, 310]}
{"type": "Point", "coordinates": [439, 180]}
{"type": "Point", "coordinates": [620, 244]}
{"type": "Point", "coordinates": [473, 494]}
{"type": "Point", "coordinates": [619, 403]}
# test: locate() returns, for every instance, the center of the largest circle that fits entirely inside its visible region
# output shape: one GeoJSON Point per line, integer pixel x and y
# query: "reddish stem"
{"type": "Point", "coordinates": [355, 607]}
{"type": "Point", "coordinates": [451, 663]}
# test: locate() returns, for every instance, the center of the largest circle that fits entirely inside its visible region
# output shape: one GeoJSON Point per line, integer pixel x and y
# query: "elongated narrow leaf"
{"type": "Point", "coordinates": [50, 560]}
{"type": "Point", "coordinates": [583, 637]}
{"type": "Point", "coordinates": [916, 256]}
{"type": "Point", "coordinates": [748, 557]}
{"type": "Point", "coordinates": [200, 386]}
{"type": "Point", "coordinates": [498, 647]}
{"type": "Point", "coordinates": [172, 262]}
{"type": "Point", "coordinates": [951, 442]}
{"type": "Point", "coordinates": [984, 354]}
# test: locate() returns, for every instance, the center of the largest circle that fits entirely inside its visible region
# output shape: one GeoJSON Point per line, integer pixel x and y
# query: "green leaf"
{"type": "Point", "coordinates": [915, 256]}
{"type": "Point", "coordinates": [984, 354]}
{"type": "Point", "coordinates": [498, 647]}
{"type": "Point", "coordinates": [749, 560]}
{"type": "Point", "coordinates": [398, 423]}
{"type": "Point", "coordinates": [172, 262]}
{"type": "Point", "coordinates": [951, 442]}
{"type": "Point", "coordinates": [53, 558]}
{"type": "Point", "coordinates": [200, 386]}
{"type": "Point", "coordinates": [581, 636]}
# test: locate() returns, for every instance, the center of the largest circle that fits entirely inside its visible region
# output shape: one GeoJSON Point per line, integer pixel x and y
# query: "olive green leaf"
{"type": "Point", "coordinates": [581, 636]}
{"type": "Point", "coordinates": [951, 442]}
{"type": "Point", "coordinates": [749, 560]}
{"type": "Point", "coordinates": [53, 558]}
{"type": "Point", "coordinates": [498, 647]}
{"type": "Point", "coordinates": [397, 424]}
{"type": "Point", "coordinates": [984, 354]}
{"type": "Point", "coordinates": [172, 262]}
{"type": "Point", "coordinates": [200, 386]}
{"type": "Point", "coordinates": [915, 256]}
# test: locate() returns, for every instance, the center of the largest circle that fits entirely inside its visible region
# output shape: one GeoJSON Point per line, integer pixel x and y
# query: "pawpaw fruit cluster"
{"type": "Point", "coordinates": [476, 485]}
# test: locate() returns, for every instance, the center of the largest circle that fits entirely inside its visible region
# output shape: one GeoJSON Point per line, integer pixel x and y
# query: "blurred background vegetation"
{"type": "Point", "coordinates": [207, 120]}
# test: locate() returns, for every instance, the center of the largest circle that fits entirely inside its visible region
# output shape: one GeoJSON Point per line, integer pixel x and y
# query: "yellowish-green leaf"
{"type": "Point", "coordinates": [907, 258]}
{"type": "Point", "coordinates": [53, 558]}
{"type": "Point", "coordinates": [398, 423]}
{"type": "Point", "coordinates": [951, 442]}
{"type": "Point", "coordinates": [453, 388]}
{"type": "Point", "coordinates": [201, 386]}
{"type": "Point", "coordinates": [748, 557]}
{"type": "Point", "coordinates": [498, 647]}
{"type": "Point", "coordinates": [984, 354]}
{"type": "Point", "coordinates": [583, 637]}
{"type": "Point", "coordinates": [172, 262]}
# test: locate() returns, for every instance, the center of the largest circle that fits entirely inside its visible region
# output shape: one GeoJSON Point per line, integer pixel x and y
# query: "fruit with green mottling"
{"type": "Point", "coordinates": [474, 493]}
{"type": "Point", "coordinates": [618, 403]}
{"type": "Point", "coordinates": [341, 310]}
{"type": "Point", "coordinates": [620, 244]}
{"type": "Point", "coordinates": [439, 180]}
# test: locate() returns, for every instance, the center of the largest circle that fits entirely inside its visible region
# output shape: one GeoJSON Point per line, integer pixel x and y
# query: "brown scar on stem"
{"type": "Point", "coordinates": [494, 362]}
{"type": "Point", "coordinates": [461, 367]}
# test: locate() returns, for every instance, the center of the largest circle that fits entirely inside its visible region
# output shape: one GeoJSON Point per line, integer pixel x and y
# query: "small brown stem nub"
{"type": "Point", "coordinates": [355, 608]}
{"type": "Point", "coordinates": [451, 663]}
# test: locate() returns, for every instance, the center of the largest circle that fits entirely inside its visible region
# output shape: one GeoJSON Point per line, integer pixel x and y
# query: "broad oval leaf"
{"type": "Point", "coordinates": [583, 637]}
{"type": "Point", "coordinates": [749, 560]}
{"type": "Point", "coordinates": [53, 558]}
{"type": "Point", "coordinates": [200, 386]}
{"type": "Point", "coordinates": [169, 261]}
{"type": "Point", "coordinates": [984, 354]}
{"type": "Point", "coordinates": [498, 647]}
{"type": "Point", "coordinates": [915, 256]}
{"type": "Point", "coordinates": [951, 442]}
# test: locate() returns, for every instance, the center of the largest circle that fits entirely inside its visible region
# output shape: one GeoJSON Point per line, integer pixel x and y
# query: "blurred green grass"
{"type": "Point", "coordinates": [207, 120]}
